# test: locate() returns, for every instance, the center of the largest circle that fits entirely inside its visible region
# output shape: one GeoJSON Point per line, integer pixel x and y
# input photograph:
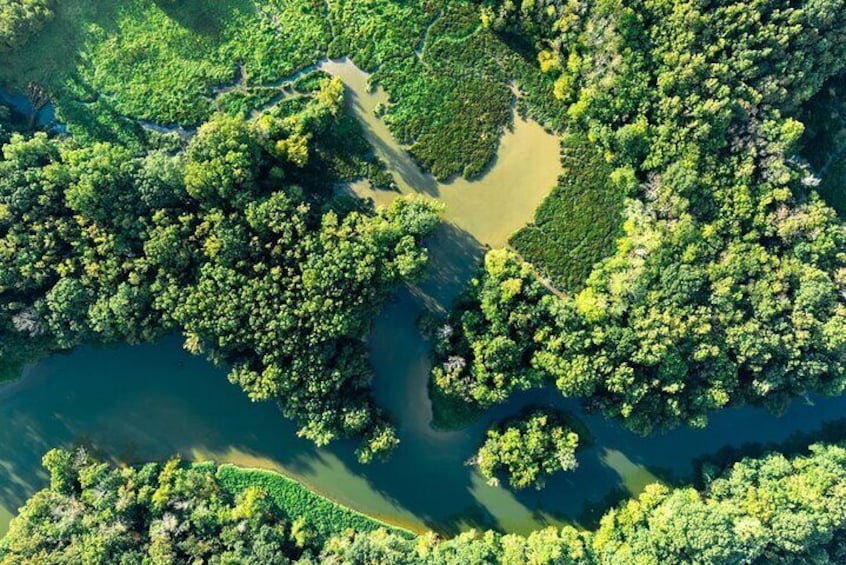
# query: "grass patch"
{"type": "Point", "coordinates": [577, 224]}
{"type": "Point", "coordinates": [448, 78]}
{"type": "Point", "coordinates": [296, 501]}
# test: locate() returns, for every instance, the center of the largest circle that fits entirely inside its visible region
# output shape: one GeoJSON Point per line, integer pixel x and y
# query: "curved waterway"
{"type": "Point", "coordinates": [136, 403]}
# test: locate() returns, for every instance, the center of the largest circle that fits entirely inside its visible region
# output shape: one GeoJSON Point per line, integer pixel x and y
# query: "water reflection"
{"type": "Point", "coordinates": [136, 403]}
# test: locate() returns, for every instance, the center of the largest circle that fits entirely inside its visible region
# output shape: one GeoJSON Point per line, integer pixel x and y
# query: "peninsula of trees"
{"type": "Point", "coordinates": [727, 285]}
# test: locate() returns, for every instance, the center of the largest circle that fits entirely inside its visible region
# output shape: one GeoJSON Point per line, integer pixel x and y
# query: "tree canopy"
{"type": "Point", "coordinates": [239, 241]}
{"type": "Point", "coordinates": [19, 19]}
{"type": "Point", "coordinates": [769, 510]}
{"type": "Point", "coordinates": [727, 285]}
{"type": "Point", "coordinates": [527, 449]}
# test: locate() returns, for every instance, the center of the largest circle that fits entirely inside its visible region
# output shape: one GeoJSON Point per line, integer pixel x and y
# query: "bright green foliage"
{"type": "Point", "coordinates": [728, 283]}
{"type": "Point", "coordinates": [298, 504]}
{"type": "Point", "coordinates": [771, 510]}
{"type": "Point", "coordinates": [163, 60]}
{"type": "Point", "coordinates": [528, 449]}
{"type": "Point", "coordinates": [19, 19]}
{"type": "Point", "coordinates": [577, 224]}
{"type": "Point", "coordinates": [550, 546]}
{"type": "Point", "coordinates": [483, 348]}
{"type": "Point", "coordinates": [375, 33]}
{"type": "Point", "coordinates": [94, 513]}
{"type": "Point", "coordinates": [446, 74]}
{"type": "Point", "coordinates": [234, 241]}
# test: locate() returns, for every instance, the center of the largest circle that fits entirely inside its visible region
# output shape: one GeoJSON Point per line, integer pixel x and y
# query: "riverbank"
{"type": "Point", "coordinates": [141, 403]}
{"type": "Point", "coordinates": [328, 517]}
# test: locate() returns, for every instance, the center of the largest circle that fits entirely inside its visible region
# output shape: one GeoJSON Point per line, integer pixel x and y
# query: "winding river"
{"type": "Point", "coordinates": [134, 403]}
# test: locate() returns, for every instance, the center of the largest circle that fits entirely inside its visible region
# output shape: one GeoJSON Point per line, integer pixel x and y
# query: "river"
{"type": "Point", "coordinates": [135, 403]}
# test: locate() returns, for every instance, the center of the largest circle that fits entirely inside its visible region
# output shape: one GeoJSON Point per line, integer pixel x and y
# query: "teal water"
{"type": "Point", "coordinates": [136, 403]}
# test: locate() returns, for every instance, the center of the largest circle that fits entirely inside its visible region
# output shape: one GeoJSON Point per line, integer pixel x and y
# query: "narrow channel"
{"type": "Point", "coordinates": [135, 403]}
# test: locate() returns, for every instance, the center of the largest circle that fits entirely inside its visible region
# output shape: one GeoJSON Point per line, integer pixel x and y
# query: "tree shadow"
{"type": "Point", "coordinates": [396, 157]}
{"type": "Point", "coordinates": [53, 53]}
{"type": "Point", "coordinates": [455, 256]}
{"type": "Point", "coordinates": [201, 16]}
{"type": "Point", "coordinates": [795, 444]}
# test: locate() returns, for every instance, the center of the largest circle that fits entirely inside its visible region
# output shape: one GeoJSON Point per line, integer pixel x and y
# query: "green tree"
{"type": "Point", "coordinates": [20, 19]}
{"type": "Point", "coordinates": [527, 450]}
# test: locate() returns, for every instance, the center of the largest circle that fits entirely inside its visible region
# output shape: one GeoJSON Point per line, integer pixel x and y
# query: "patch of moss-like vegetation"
{"type": "Point", "coordinates": [577, 224]}
{"type": "Point", "coordinates": [449, 78]}
{"type": "Point", "coordinates": [296, 502]}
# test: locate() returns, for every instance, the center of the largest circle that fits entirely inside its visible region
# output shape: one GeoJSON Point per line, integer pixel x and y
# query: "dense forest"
{"type": "Point", "coordinates": [239, 241]}
{"type": "Point", "coordinates": [194, 180]}
{"type": "Point", "coordinates": [768, 510]}
{"type": "Point", "coordinates": [727, 284]}
{"type": "Point", "coordinates": [190, 183]}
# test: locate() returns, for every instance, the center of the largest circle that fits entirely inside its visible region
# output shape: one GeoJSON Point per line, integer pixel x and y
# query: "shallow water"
{"type": "Point", "coordinates": [135, 403]}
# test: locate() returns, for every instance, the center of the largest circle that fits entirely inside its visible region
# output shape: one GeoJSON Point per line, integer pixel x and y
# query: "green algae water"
{"type": "Point", "coordinates": [137, 403]}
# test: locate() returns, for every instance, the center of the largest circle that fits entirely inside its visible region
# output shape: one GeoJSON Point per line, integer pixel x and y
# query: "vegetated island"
{"type": "Point", "coordinates": [685, 263]}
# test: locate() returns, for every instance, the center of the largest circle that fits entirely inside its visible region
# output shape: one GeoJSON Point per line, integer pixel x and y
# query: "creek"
{"type": "Point", "coordinates": [137, 403]}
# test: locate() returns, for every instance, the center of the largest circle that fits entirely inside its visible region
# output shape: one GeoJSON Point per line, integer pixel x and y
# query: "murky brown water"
{"type": "Point", "coordinates": [135, 403]}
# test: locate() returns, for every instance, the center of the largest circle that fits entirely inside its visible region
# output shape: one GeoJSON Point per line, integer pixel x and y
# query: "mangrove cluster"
{"type": "Point", "coordinates": [727, 284]}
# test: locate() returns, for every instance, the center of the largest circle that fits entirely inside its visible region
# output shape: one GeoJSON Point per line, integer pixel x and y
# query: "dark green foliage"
{"type": "Point", "coordinates": [824, 142]}
{"type": "Point", "coordinates": [20, 19]}
{"type": "Point", "coordinates": [452, 98]}
{"type": "Point", "coordinates": [483, 350]}
{"type": "Point", "coordinates": [771, 510]}
{"type": "Point", "coordinates": [450, 412]}
{"type": "Point", "coordinates": [451, 104]}
{"type": "Point", "coordinates": [728, 283]}
{"type": "Point", "coordinates": [5, 123]}
{"type": "Point", "coordinates": [528, 449]}
{"type": "Point", "coordinates": [577, 224]}
{"type": "Point", "coordinates": [232, 240]}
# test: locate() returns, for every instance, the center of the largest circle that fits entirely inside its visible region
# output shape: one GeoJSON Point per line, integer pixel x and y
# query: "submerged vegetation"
{"type": "Point", "coordinates": [769, 510]}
